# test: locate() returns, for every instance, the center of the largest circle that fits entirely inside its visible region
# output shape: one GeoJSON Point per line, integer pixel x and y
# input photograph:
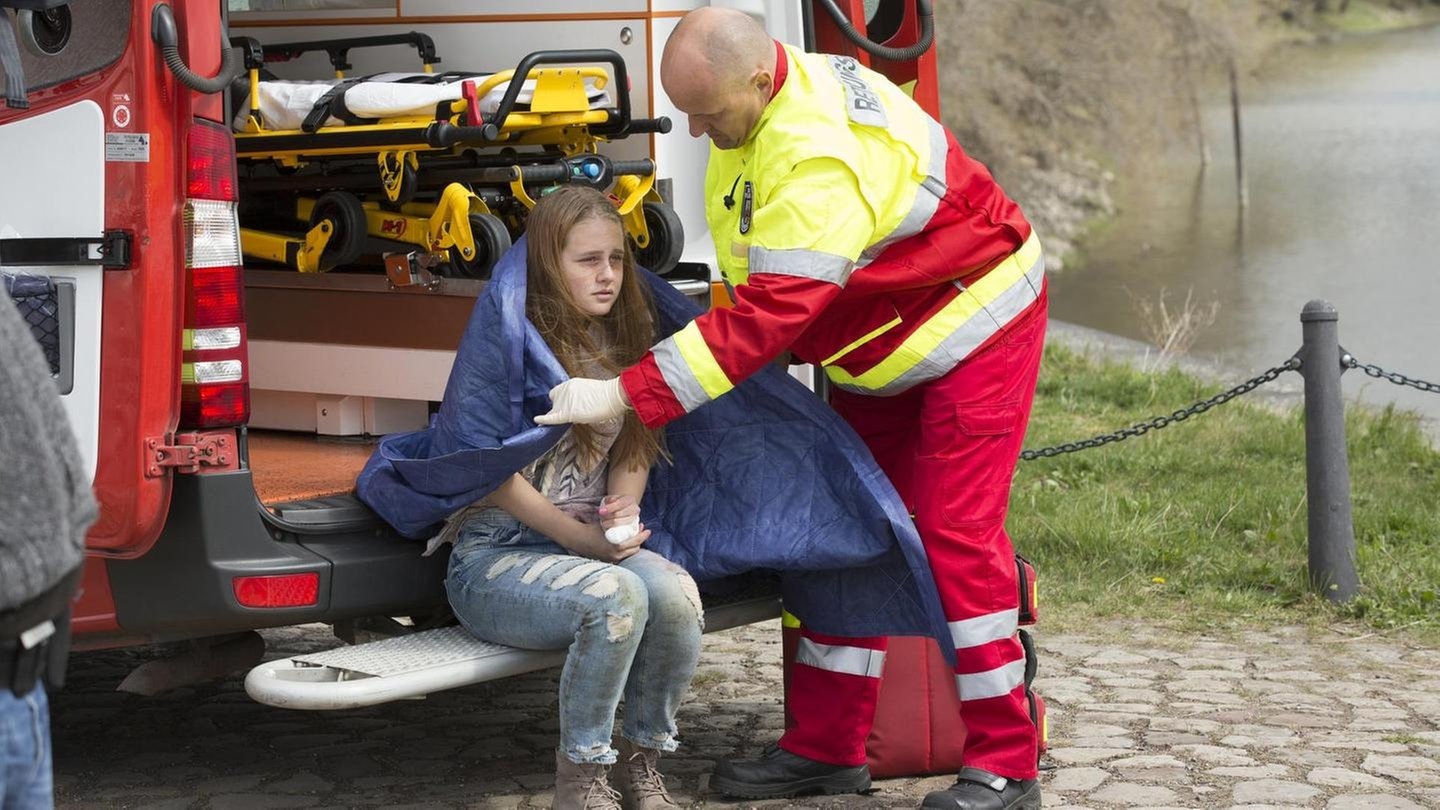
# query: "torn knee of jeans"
{"type": "Point", "coordinates": [603, 586]}
{"type": "Point", "coordinates": [540, 566]}
{"type": "Point", "coordinates": [692, 595]}
{"type": "Point", "coordinates": [576, 574]}
{"type": "Point", "coordinates": [619, 625]}
{"type": "Point", "coordinates": [597, 754]}
{"type": "Point", "coordinates": [504, 564]}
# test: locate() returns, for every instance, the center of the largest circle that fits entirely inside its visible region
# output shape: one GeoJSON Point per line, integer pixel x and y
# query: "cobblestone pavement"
{"type": "Point", "coordinates": [1140, 717]}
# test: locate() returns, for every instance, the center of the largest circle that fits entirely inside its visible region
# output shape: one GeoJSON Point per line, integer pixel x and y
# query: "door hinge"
{"type": "Point", "coordinates": [111, 251]}
{"type": "Point", "coordinates": [190, 452]}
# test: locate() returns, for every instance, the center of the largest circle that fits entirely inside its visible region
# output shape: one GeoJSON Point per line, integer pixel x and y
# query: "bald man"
{"type": "Point", "coordinates": [857, 235]}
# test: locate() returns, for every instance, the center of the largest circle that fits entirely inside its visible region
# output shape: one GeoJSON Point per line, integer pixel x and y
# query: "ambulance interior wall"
{"type": "Point", "coordinates": [339, 359]}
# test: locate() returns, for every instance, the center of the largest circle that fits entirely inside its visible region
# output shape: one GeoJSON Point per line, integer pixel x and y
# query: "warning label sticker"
{"type": "Point", "coordinates": [127, 147]}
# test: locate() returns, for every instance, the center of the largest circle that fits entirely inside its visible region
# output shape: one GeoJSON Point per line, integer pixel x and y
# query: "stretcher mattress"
{"type": "Point", "coordinates": [285, 104]}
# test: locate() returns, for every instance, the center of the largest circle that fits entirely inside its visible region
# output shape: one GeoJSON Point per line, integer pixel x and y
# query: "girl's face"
{"type": "Point", "coordinates": [593, 263]}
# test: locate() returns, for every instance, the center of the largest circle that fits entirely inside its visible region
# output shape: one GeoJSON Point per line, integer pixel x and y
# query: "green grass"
{"type": "Point", "coordinates": [1369, 16]}
{"type": "Point", "coordinates": [1204, 522]}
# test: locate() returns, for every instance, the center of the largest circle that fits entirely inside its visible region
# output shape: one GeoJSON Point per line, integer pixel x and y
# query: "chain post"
{"type": "Point", "coordinates": [1327, 466]}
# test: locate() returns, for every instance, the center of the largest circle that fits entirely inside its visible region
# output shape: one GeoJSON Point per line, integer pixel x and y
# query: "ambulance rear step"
{"type": "Point", "coordinates": [415, 665]}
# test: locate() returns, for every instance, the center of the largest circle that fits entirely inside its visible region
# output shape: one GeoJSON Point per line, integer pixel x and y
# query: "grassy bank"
{"type": "Point", "coordinates": [1205, 521]}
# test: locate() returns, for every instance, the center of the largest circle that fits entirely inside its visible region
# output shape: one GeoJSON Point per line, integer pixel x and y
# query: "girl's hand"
{"type": "Point", "coordinates": [618, 510]}
{"type": "Point", "coordinates": [620, 517]}
{"type": "Point", "coordinates": [592, 543]}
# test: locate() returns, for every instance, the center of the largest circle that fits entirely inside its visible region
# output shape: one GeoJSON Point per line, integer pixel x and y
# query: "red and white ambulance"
{"type": "Point", "coordinates": [224, 406]}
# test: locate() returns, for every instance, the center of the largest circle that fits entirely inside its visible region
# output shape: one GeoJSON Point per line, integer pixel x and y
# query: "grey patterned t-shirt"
{"type": "Point", "coordinates": [565, 481]}
{"type": "Point", "coordinates": [558, 475]}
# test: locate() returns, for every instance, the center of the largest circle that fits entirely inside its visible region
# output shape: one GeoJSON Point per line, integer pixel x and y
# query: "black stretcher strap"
{"type": "Point", "coordinates": [333, 104]}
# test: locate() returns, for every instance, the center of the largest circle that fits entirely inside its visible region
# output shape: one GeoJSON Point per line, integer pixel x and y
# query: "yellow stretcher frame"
{"type": "Point", "coordinates": [560, 118]}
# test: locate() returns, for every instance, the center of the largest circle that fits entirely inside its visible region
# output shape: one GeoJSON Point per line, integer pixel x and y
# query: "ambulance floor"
{"type": "Point", "coordinates": [290, 467]}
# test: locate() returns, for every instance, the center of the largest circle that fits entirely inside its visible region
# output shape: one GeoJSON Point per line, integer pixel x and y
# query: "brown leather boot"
{"type": "Point", "coordinates": [637, 775]}
{"type": "Point", "coordinates": [582, 786]}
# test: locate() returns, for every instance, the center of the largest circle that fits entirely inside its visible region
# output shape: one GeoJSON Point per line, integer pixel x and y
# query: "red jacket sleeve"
{"type": "Point", "coordinates": [806, 238]}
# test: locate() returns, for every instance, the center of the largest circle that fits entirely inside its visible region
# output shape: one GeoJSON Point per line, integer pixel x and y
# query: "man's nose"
{"type": "Point", "coordinates": [696, 128]}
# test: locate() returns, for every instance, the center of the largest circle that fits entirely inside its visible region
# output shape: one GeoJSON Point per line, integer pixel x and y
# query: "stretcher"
{"type": "Point", "coordinates": [442, 168]}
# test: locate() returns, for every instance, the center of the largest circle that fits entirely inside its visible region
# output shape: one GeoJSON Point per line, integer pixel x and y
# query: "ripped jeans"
{"type": "Point", "coordinates": [632, 627]}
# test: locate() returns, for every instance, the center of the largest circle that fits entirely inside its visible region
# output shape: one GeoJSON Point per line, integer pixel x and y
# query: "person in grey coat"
{"type": "Point", "coordinates": [45, 509]}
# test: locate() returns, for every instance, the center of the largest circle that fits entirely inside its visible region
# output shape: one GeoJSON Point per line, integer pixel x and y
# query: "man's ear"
{"type": "Point", "coordinates": [763, 81]}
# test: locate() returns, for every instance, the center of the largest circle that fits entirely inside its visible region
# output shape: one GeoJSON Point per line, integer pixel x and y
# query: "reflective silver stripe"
{"type": "Point", "coordinates": [992, 683]}
{"type": "Point", "coordinates": [927, 197]}
{"type": "Point", "coordinates": [861, 102]}
{"type": "Point", "coordinates": [985, 629]}
{"type": "Point", "coordinates": [682, 381]}
{"type": "Point", "coordinates": [835, 658]}
{"type": "Point", "coordinates": [802, 263]}
{"type": "Point", "coordinates": [967, 337]}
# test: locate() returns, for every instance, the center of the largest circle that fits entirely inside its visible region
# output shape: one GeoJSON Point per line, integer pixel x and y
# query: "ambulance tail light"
{"type": "Point", "coordinates": [278, 590]}
{"type": "Point", "coordinates": [214, 379]}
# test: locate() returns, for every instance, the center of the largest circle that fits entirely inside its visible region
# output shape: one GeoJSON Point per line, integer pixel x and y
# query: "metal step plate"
{"type": "Point", "coordinates": [396, 656]}
{"type": "Point", "coordinates": [415, 665]}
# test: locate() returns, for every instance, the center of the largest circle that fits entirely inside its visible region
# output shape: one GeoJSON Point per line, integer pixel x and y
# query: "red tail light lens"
{"type": "Point", "coordinates": [286, 590]}
{"type": "Point", "coordinates": [211, 163]}
{"type": "Point", "coordinates": [215, 388]}
{"type": "Point", "coordinates": [217, 297]}
{"type": "Point", "coordinates": [214, 405]}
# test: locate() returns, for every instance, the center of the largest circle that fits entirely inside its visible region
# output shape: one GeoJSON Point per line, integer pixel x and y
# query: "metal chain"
{"type": "Point", "coordinates": [1141, 428]}
{"type": "Point", "coordinates": [1349, 361]}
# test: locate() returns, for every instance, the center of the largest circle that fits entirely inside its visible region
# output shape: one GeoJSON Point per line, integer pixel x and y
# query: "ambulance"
{"type": "Point", "coordinates": [234, 314]}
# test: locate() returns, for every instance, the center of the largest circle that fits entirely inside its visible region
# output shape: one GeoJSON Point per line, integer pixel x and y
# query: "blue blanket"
{"type": "Point", "coordinates": [765, 477]}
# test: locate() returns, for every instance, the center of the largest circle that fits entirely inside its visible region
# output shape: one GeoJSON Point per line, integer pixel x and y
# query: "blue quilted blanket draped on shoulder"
{"type": "Point", "coordinates": [765, 477]}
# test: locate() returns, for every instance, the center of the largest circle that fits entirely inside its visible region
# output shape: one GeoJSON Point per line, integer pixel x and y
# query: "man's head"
{"type": "Point", "coordinates": [719, 69]}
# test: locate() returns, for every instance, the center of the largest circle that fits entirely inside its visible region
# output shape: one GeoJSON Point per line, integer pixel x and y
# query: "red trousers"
{"type": "Point", "coordinates": [950, 447]}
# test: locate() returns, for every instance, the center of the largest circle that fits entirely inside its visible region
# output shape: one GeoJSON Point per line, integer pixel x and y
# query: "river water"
{"type": "Point", "coordinates": [1341, 145]}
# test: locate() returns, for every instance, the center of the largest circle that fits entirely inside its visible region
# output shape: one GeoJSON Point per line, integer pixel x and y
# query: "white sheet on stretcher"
{"type": "Point", "coordinates": [285, 104]}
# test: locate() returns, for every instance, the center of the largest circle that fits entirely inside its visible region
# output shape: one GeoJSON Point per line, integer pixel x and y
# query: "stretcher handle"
{"type": "Point", "coordinates": [640, 126]}
{"type": "Point", "coordinates": [641, 168]}
{"type": "Point", "coordinates": [443, 134]}
{"type": "Point", "coordinates": [553, 172]}
{"type": "Point", "coordinates": [339, 49]}
{"type": "Point", "coordinates": [252, 51]}
{"type": "Point", "coordinates": [619, 124]}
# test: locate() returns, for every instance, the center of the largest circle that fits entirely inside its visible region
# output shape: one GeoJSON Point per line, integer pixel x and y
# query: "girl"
{"type": "Point", "coordinates": [532, 567]}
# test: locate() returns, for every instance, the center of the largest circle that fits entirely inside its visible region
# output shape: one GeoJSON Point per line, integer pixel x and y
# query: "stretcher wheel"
{"type": "Point", "coordinates": [347, 217]}
{"type": "Point", "coordinates": [667, 239]}
{"type": "Point", "coordinates": [404, 192]}
{"type": "Point", "coordinates": [492, 239]}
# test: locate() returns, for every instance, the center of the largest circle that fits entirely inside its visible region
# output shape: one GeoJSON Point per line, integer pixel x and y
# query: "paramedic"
{"type": "Point", "coordinates": [857, 235]}
{"type": "Point", "coordinates": [48, 507]}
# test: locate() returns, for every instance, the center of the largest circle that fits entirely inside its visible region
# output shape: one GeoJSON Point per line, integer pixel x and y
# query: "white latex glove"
{"type": "Point", "coordinates": [585, 402]}
{"type": "Point", "coordinates": [619, 534]}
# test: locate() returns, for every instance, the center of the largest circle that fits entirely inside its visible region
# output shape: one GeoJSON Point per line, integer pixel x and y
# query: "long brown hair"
{"type": "Point", "coordinates": [580, 340]}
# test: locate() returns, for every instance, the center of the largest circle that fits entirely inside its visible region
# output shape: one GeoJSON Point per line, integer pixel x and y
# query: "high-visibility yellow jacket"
{"type": "Point", "coordinates": [856, 234]}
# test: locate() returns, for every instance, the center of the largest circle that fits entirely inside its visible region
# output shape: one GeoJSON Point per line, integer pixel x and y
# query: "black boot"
{"type": "Point", "coordinates": [780, 773]}
{"type": "Point", "coordinates": [981, 790]}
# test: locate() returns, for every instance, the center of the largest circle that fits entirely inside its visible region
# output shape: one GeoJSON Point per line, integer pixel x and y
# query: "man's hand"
{"type": "Point", "coordinates": [585, 402]}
